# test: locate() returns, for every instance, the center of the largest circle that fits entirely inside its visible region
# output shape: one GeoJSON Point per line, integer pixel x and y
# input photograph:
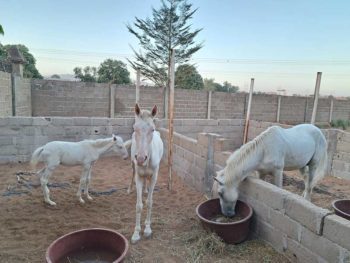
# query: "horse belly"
{"type": "Point", "coordinates": [144, 171]}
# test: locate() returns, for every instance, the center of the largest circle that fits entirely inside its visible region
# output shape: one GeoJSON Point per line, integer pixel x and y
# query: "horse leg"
{"type": "Point", "coordinates": [83, 179]}
{"type": "Point", "coordinates": [132, 178]}
{"type": "Point", "coordinates": [308, 180]}
{"type": "Point", "coordinates": [43, 181]}
{"type": "Point", "coordinates": [87, 185]}
{"type": "Point", "coordinates": [139, 184]}
{"type": "Point", "coordinates": [278, 177]}
{"type": "Point", "coordinates": [149, 203]}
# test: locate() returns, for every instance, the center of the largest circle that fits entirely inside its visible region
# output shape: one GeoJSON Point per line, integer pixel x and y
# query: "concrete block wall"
{"type": "Point", "coordinates": [5, 94]}
{"type": "Point", "coordinates": [69, 98]}
{"type": "Point", "coordinates": [20, 136]}
{"type": "Point", "coordinates": [231, 130]}
{"type": "Point", "coordinates": [228, 105]}
{"type": "Point", "coordinates": [23, 96]}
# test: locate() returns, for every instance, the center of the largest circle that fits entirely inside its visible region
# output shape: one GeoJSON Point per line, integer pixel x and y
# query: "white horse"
{"type": "Point", "coordinates": [146, 154]}
{"type": "Point", "coordinates": [272, 151]}
{"type": "Point", "coordinates": [83, 153]}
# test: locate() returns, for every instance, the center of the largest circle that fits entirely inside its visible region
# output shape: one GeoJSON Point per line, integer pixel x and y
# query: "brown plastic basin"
{"type": "Point", "coordinates": [232, 232]}
{"type": "Point", "coordinates": [342, 208]}
{"type": "Point", "coordinates": [93, 238]}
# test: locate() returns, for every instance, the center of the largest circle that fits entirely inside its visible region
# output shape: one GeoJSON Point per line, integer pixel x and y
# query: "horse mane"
{"type": "Point", "coordinates": [101, 142]}
{"type": "Point", "coordinates": [238, 159]}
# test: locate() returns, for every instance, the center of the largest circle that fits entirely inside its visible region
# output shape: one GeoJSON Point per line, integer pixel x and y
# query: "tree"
{"type": "Point", "coordinates": [55, 76]}
{"type": "Point", "coordinates": [209, 84]}
{"type": "Point", "coordinates": [113, 70]}
{"type": "Point", "coordinates": [166, 30]}
{"type": "Point", "coordinates": [88, 74]}
{"type": "Point", "coordinates": [187, 77]}
{"type": "Point", "coordinates": [227, 87]}
{"type": "Point", "coordinates": [1, 30]}
{"type": "Point", "coordinates": [30, 70]}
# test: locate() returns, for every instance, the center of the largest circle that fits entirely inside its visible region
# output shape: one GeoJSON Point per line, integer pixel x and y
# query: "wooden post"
{"type": "Point", "coordinates": [331, 110]}
{"type": "Point", "coordinates": [171, 117]}
{"type": "Point", "coordinates": [306, 108]}
{"type": "Point", "coordinates": [317, 92]}
{"type": "Point", "coordinates": [138, 78]}
{"type": "Point", "coordinates": [246, 126]}
{"type": "Point", "coordinates": [278, 108]}
{"type": "Point", "coordinates": [112, 100]}
{"type": "Point", "coordinates": [209, 104]}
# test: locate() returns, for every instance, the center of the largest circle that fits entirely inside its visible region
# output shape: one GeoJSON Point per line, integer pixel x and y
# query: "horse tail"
{"type": "Point", "coordinates": [36, 157]}
{"type": "Point", "coordinates": [323, 162]}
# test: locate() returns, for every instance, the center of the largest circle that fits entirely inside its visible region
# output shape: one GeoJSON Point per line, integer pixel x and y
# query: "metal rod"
{"type": "Point", "coordinates": [209, 104]}
{"type": "Point", "coordinates": [278, 108]}
{"type": "Point", "coordinates": [138, 78]}
{"type": "Point", "coordinates": [331, 110]}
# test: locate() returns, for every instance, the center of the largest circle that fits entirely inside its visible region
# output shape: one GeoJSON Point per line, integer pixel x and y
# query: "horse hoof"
{"type": "Point", "coordinates": [147, 234]}
{"type": "Point", "coordinates": [90, 198]}
{"type": "Point", "coordinates": [81, 201]}
{"type": "Point", "coordinates": [51, 203]}
{"type": "Point", "coordinates": [135, 238]}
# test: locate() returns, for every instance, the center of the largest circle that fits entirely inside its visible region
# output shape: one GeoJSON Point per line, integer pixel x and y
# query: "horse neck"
{"type": "Point", "coordinates": [103, 145]}
{"type": "Point", "coordinates": [240, 166]}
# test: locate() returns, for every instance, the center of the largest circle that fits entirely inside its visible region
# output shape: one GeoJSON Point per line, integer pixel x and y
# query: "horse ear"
{"type": "Point", "coordinates": [154, 111]}
{"type": "Point", "coordinates": [137, 109]}
{"type": "Point", "coordinates": [114, 137]}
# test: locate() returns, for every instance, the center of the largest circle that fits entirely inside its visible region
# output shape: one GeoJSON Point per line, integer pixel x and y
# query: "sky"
{"type": "Point", "coordinates": [281, 44]}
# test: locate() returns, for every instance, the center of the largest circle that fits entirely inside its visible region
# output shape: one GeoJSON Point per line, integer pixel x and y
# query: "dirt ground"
{"type": "Point", "coordinates": [28, 226]}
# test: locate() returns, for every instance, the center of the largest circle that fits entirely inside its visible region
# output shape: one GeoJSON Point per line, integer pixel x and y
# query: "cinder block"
{"type": "Point", "coordinates": [202, 139]}
{"type": "Point", "coordinates": [22, 121]}
{"type": "Point", "coordinates": [271, 235]}
{"type": "Point", "coordinates": [264, 192]}
{"type": "Point", "coordinates": [283, 223]}
{"type": "Point", "coordinates": [337, 229]}
{"type": "Point", "coordinates": [303, 211]}
{"type": "Point", "coordinates": [4, 121]}
{"type": "Point", "coordinates": [82, 121]}
{"type": "Point", "coordinates": [200, 162]}
{"type": "Point", "coordinates": [39, 121]}
{"type": "Point", "coordinates": [62, 121]}
{"type": "Point", "coordinates": [100, 121]}
{"type": "Point", "coordinates": [299, 254]}
{"type": "Point", "coordinates": [321, 246]}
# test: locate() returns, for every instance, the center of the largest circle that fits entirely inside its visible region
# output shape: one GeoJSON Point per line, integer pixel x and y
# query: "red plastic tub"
{"type": "Point", "coordinates": [342, 208]}
{"type": "Point", "coordinates": [88, 244]}
{"type": "Point", "coordinates": [232, 232]}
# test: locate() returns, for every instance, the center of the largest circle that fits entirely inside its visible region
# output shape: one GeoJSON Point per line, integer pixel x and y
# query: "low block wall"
{"type": "Point", "coordinates": [20, 136]}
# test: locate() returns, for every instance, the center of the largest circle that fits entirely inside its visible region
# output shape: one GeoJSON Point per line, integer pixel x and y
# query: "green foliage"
{"type": "Point", "coordinates": [211, 85]}
{"type": "Point", "coordinates": [30, 70]}
{"type": "Point", "coordinates": [187, 77]}
{"type": "Point", "coordinates": [340, 124]}
{"type": "Point", "coordinates": [55, 76]}
{"type": "Point", "coordinates": [1, 30]}
{"type": "Point", "coordinates": [88, 74]}
{"type": "Point", "coordinates": [168, 28]}
{"type": "Point", "coordinates": [113, 70]}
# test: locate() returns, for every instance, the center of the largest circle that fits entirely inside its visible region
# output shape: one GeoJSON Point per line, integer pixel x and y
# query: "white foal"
{"type": "Point", "coordinates": [83, 153]}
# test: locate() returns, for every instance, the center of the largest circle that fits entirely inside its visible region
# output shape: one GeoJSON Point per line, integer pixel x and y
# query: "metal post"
{"type": "Point", "coordinates": [171, 117]}
{"type": "Point", "coordinates": [246, 126]}
{"type": "Point", "coordinates": [138, 78]}
{"type": "Point", "coordinates": [317, 92]}
{"type": "Point", "coordinates": [278, 109]}
{"type": "Point", "coordinates": [209, 104]}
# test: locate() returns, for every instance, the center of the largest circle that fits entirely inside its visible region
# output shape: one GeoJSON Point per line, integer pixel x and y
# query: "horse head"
{"type": "Point", "coordinates": [228, 193]}
{"type": "Point", "coordinates": [143, 131]}
{"type": "Point", "coordinates": [119, 146]}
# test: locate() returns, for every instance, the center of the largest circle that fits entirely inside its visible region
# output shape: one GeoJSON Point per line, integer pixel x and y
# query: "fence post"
{"type": "Point", "coordinates": [246, 126]}
{"type": "Point", "coordinates": [317, 92]}
{"type": "Point", "coordinates": [209, 104]}
{"type": "Point", "coordinates": [111, 100]}
{"type": "Point", "coordinates": [278, 108]}
{"type": "Point", "coordinates": [331, 110]}
{"type": "Point", "coordinates": [138, 80]}
{"type": "Point", "coordinates": [171, 117]}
